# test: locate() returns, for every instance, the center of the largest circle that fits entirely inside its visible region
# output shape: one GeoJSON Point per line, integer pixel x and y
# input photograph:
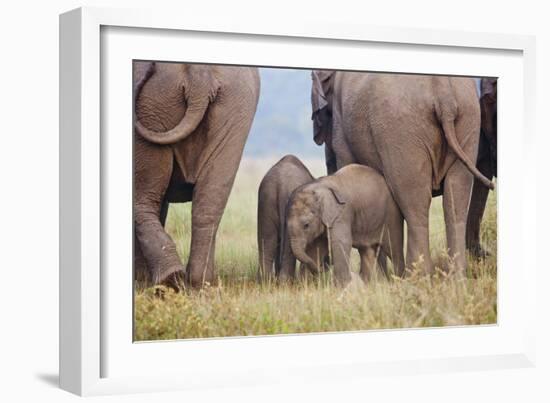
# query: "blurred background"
{"type": "Point", "coordinates": [282, 124]}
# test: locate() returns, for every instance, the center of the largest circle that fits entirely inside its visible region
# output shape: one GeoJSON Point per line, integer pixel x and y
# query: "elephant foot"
{"type": "Point", "coordinates": [196, 279]}
{"type": "Point", "coordinates": [285, 279]}
{"type": "Point", "coordinates": [172, 277]}
{"type": "Point", "coordinates": [478, 251]}
{"type": "Point", "coordinates": [175, 281]}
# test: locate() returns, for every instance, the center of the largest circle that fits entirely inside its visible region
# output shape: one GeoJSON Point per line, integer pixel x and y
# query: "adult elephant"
{"type": "Point", "coordinates": [486, 163]}
{"type": "Point", "coordinates": [190, 126]}
{"type": "Point", "coordinates": [422, 134]}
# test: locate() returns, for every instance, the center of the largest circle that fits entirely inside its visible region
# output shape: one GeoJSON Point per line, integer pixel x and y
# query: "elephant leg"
{"type": "Point", "coordinates": [268, 251]}
{"type": "Point", "coordinates": [304, 271]}
{"type": "Point", "coordinates": [392, 244]}
{"type": "Point", "coordinates": [141, 272]}
{"type": "Point", "coordinates": [456, 197]}
{"type": "Point", "coordinates": [164, 212]}
{"type": "Point", "coordinates": [418, 247]}
{"type": "Point", "coordinates": [476, 210]}
{"type": "Point", "coordinates": [287, 270]}
{"type": "Point", "coordinates": [206, 215]}
{"type": "Point", "coordinates": [322, 253]}
{"type": "Point", "coordinates": [368, 263]}
{"type": "Point", "coordinates": [210, 197]}
{"type": "Point", "coordinates": [340, 245]}
{"type": "Point", "coordinates": [413, 194]}
{"type": "Point", "coordinates": [151, 177]}
{"type": "Point", "coordinates": [382, 260]}
{"type": "Point", "coordinates": [318, 251]}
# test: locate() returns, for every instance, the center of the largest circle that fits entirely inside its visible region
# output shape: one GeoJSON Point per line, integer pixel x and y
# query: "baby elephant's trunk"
{"type": "Point", "coordinates": [299, 250]}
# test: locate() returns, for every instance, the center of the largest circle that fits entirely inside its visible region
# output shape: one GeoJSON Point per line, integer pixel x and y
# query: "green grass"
{"type": "Point", "coordinates": [240, 306]}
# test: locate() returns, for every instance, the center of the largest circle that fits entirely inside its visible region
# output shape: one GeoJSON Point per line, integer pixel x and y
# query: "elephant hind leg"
{"type": "Point", "coordinates": [382, 260]}
{"type": "Point", "coordinates": [392, 243]}
{"type": "Point", "coordinates": [164, 212]}
{"type": "Point", "coordinates": [210, 196]}
{"type": "Point", "coordinates": [318, 252]}
{"type": "Point", "coordinates": [267, 250]}
{"type": "Point", "coordinates": [158, 249]}
{"type": "Point", "coordinates": [368, 263]}
{"type": "Point", "coordinates": [413, 194]}
{"type": "Point", "coordinates": [151, 177]}
{"type": "Point", "coordinates": [456, 197]}
{"type": "Point", "coordinates": [340, 245]}
{"type": "Point", "coordinates": [141, 271]}
{"type": "Point", "coordinates": [287, 268]}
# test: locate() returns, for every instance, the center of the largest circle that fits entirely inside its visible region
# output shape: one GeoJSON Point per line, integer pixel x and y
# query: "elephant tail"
{"type": "Point", "coordinates": [183, 129]}
{"type": "Point", "coordinates": [446, 109]}
{"type": "Point", "coordinates": [196, 108]}
{"type": "Point", "coordinates": [141, 82]}
{"type": "Point", "coordinates": [450, 135]}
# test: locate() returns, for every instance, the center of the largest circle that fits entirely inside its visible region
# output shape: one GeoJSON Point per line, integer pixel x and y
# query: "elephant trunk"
{"type": "Point", "coordinates": [298, 249]}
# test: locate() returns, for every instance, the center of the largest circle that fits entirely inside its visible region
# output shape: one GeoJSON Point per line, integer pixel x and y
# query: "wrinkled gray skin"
{"type": "Point", "coordinates": [191, 124]}
{"type": "Point", "coordinates": [421, 133]}
{"type": "Point", "coordinates": [486, 163]}
{"type": "Point", "coordinates": [275, 256]}
{"type": "Point", "coordinates": [352, 209]}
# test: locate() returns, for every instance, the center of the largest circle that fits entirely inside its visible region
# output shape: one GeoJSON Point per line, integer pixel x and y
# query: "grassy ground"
{"type": "Point", "coordinates": [239, 306]}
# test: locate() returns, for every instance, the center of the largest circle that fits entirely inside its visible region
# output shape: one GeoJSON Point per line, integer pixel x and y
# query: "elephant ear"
{"type": "Point", "coordinates": [318, 99]}
{"type": "Point", "coordinates": [320, 87]}
{"type": "Point", "coordinates": [332, 206]}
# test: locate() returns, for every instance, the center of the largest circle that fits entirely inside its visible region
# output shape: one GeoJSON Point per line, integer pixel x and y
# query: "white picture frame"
{"type": "Point", "coordinates": [96, 355]}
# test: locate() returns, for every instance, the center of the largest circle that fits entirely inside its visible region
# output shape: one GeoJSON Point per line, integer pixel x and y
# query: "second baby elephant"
{"type": "Point", "coordinates": [275, 189]}
{"type": "Point", "coordinates": [352, 208]}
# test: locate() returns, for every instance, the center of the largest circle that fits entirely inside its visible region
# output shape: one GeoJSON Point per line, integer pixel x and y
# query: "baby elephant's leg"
{"type": "Point", "coordinates": [368, 263]}
{"type": "Point", "coordinates": [383, 262]}
{"type": "Point", "coordinates": [305, 273]}
{"type": "Point", "coordinates": [317, 251]}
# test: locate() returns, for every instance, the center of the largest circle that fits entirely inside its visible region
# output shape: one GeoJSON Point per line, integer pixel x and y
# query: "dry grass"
{"type": "Point", "coordinates": [239, 306]}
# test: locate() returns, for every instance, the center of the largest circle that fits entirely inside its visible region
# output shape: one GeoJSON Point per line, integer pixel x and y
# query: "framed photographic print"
{"type": "Point", "coordinates": [244, 202]}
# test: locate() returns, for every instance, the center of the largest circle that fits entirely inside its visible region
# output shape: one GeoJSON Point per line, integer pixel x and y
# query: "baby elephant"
{"type": "Point", "coordinates": [275, 190]}
{"type": "Point", "coordinates": [352, 208]}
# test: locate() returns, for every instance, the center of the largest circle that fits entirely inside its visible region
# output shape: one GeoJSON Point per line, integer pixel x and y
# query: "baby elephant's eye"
{"type": "Point", "coordinates": [306, 226]}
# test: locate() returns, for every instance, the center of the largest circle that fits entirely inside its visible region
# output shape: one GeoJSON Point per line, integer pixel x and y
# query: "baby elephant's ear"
{"type": "Point", "coordinates": [332, 205]}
